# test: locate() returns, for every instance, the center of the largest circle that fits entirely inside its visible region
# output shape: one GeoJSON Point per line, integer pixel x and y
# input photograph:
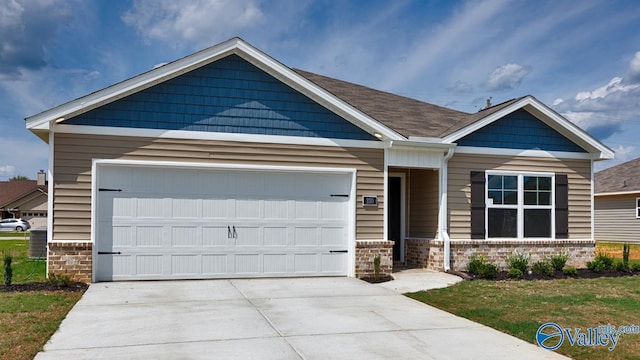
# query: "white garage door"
{"type": "Point", "coordinates": [176, 223]}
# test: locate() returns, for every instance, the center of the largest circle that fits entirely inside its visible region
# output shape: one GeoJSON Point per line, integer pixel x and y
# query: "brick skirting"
{"type": "Point", "coordinates": [71, 259]}
{"type": "Point", "coordinates": [429, 254]}
{"type": "Point", "coordinates": [367, 250]}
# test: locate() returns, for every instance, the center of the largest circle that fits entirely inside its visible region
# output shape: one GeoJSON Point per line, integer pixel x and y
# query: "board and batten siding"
{"type": "Point", "coordinates": [73, 156]}
{"type": "Point", "coordinates": [615, 218]}
{"type": "Point", "coordinates": [459, 189]}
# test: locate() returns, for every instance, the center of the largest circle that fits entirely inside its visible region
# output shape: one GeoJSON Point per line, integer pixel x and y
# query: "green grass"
{"type": "Point", "coordinates": [28, 319]}
{"type": "Point", "coordinates": [520, 307]}
{"type": "Point", "coordinates": [24, 269]}
{"type": "Point", "coordinates": [12, 234]}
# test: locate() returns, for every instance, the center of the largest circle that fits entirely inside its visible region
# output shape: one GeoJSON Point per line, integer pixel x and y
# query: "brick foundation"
{"type": "Point", "coordinates": [70, 259]}
{"type": "Point", "coordinates": [367, 250]}
{"type": "Point", "coordinates": [429, 254]}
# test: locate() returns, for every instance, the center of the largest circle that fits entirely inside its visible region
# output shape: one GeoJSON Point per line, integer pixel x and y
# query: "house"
{"type": "Point", "coordinates": [227, 163]}
{"type": "Point", "coordinates": [617, 203]}
{"type": "Point", "coordinates": [26, 199]}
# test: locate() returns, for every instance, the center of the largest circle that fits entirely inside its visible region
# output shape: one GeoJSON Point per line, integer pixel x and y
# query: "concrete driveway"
{"type": "Point", "coordinates": [317, 318]}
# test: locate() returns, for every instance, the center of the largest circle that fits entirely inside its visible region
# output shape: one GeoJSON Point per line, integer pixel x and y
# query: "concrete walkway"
{"type": "Point", "coordinates": [302, 318]}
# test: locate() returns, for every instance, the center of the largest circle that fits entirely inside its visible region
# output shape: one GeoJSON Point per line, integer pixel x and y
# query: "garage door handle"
{"type": "Point", "coordinates": [235, 234]}
{"type": "Point", "coordinates": [338, 251]}
{"type": "Point", "coordinates": [228, 232]}
{"type": "Point", "coordinates": [109, 252]}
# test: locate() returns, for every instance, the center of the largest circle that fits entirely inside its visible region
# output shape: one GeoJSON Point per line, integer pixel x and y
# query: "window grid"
{"type": "Point", "coordinates": [521, 199]}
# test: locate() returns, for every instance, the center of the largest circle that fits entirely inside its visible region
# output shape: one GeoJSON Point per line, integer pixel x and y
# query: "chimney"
{"type": "Point", "coordinates": [42, 178]}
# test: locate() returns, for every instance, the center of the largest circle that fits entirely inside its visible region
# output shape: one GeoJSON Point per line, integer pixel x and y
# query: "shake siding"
{"type": "Point", "coordinates": [74, 153]}
{"type": "Point", "coordinates": [579, 175]}
{"type": "Point", "coordinates": [615, 218]}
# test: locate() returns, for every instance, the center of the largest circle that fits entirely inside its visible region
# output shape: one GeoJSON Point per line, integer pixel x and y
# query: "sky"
{"type": "Point", "coordinates": [580, 57]}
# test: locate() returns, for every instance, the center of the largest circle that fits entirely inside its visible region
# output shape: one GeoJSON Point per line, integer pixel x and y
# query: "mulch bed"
{"type": "Point", "coordinates": [43, 286]}
{"type": "Point", "coordinates": [582, 274]}
{"type": "Point", "coordinates": [379, 279]}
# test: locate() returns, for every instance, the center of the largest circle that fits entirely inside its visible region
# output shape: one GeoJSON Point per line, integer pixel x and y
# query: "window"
{"type": "Point", "coordinates": [520, 205]}
{"type": "Point", "coordinates": [638, 208]}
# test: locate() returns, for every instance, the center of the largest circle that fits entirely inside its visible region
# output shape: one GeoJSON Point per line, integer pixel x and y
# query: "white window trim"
{"type": "Point", "coordinates": [520, 205]}
{"type": "Point", "coordinates": [637, 208]}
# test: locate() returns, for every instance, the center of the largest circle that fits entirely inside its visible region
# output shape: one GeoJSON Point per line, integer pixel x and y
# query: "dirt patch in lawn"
{"type": "Point", "coordinates": [581, 274]}
{"type": "Point", "coordinates": [44, 286]}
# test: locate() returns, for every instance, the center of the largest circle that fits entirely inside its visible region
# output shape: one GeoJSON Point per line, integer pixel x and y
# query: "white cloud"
{"type": "Point", "coordinates": [461, 87]}
{"type": "Point", "coordinates": [507, 77]}
{"type": "Point", "coordinates": [557, 101]}
{"type": "Point", "coordinates": [615, 85]}
{"type": "Point", "coordinates": [199, 21]}
{"type": "Point", "coordinates": [7, 170]}
{"type": "Point", "coordinates": [634, 68]}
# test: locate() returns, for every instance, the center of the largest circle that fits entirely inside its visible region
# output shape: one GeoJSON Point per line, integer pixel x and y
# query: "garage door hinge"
{"type": "Point", "coordinates": [338, 251]}
{"type": "Point", "coordinates": [109, 252]}
{"type": "Point", "coordinates": [103, 189]}
{"type": "Point", "coordinates": [340, 195]}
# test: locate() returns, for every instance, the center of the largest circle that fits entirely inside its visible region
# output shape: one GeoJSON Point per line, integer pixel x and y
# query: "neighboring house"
{"type": "Point", "coordinates": [228, 163]}
{"type": "Point", "coordinates": [26, 199]}
{"type": "Point", "coordinates": [617, 203]}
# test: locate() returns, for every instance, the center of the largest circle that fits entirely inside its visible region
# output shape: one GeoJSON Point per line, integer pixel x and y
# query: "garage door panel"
{"type": "Point", "coordinates": [286, 224]}
{"type": "Point", "coordinates": [149, 236]}
{"type": "Point", "coordinates": [182, 236]}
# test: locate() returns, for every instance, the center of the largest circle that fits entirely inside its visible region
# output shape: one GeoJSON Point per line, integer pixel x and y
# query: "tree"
{"type": "Point", "coordinates": [18, 178]}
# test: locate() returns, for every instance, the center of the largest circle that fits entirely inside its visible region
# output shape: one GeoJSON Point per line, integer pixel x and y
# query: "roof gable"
{"type": "Point", "coordinates": [10, 191]}
{"type": "Point", "coordinates": [519, 130]}
{"type": "Point", "coordinates": [229, 95]}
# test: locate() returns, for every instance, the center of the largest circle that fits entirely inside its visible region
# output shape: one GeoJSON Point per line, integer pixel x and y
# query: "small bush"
{"type": "Point", "coordinates": [635, 267]}
{"type": "Point", "coordinates": [514, 273]}
{"type": "Point", "coordinates": [518, 261]}
{"type": "Point", "coordinates": [620, 266]}
{"type": "Point", "coordinates": [559, 261]}
{"type": "Point", "coordinates": [479, 266]}
{"type": "Point", "coordinates": [625, 254]}
{"type": "Point", "coordinates": [570, 271]}
{"type": "Point", "coordinates": [543, 267]}
{"type": "Point", "coordinates": [59, 280]}
{"type": "Point", "coordinates": [606, 260]}
{"type": "Point", "coordinates": [376, 266]}
{"type": "Point", "coordinates": [8, 271]}
{"type": "Point", "coordinates": [596, 265]}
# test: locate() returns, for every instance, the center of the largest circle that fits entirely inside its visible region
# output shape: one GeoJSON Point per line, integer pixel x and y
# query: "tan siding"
{"type": "Point", "coordinates": [74, 153]}
{"type": "Point", "coordinates": [579, 175]}
{"type": "Point", "coordinates": [423, 203]}
{"type": "Point", "coordinates": [615, 219]}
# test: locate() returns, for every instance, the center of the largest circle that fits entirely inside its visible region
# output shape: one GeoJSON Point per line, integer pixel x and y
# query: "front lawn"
{"type": "Point", "coordinates": [29, 318]}
{"type": "Point", "coordinates": [520, 307]}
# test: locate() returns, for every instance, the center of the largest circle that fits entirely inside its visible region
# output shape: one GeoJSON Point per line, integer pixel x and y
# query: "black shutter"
{"type": "Point", "coordinates": [477, 204]}
{"type": "Point", "coordinates": [562, 206]}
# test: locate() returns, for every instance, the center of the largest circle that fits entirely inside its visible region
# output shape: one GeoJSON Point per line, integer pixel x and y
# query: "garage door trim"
{"type": "Point", "coordinates": [97, 164]}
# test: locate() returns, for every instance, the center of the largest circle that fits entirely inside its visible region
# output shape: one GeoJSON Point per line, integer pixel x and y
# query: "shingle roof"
{"type": "Point", "coordinates": [11, 191]}
{"type": "Point", "coordinates": [620, 178]}
{"type": "Point", "coordinates": [406, 116]}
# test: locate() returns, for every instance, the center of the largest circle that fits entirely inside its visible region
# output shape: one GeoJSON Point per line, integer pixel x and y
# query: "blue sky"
{"type": "Point", "coordinates": [582, 58]}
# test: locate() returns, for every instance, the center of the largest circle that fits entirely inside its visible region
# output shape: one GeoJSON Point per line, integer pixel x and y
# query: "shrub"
{"type": "Point", "coordinates": [559, 261]}
{"type": "Point", "coordinates": [620, 266]}
{"type": "Point", "coordinates": [479, 266]}
{"type": "Point", "coordinates": [518, 261]}
{"type": "Point", "coordinates": [376, 266]}
{"type": "Point", "coordinates": [514, 273]}
{"type": "Point", "coordinates": [570, 271]}
{"type": "Point", "coordinates": [625, 254]}
{"type": "Point", "coordinates": [488, 271]}
{"type": "Point", "coordinates": [597, 265]}
{"type": "Point", "coordinates": [543, 267]}
{"type": "Point", "coordinates": [606, 260]}
{"type": "Point", "coordinates": [635, 267]}
{"type": "Point", "coordinates": [59, 279]}
{"type": "Point", "coordinates": [8, 271]}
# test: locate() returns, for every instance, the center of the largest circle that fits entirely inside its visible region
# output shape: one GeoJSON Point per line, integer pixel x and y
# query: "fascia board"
{"type": "Point", "coordinates": [616, 193]}
{"type": "Point", "coordinates": [556, 121]}
{"type": "Point", "coordinates": [134, 84]}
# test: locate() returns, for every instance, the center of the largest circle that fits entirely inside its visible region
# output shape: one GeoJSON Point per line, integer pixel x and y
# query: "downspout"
{"type": "Point", "coordinates": [444, 227]}
{"type": "Point", "coordinates": [50, 190]}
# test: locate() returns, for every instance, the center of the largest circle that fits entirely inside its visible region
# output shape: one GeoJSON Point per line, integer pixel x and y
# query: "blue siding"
{"type": "Point", "coordinates": [519, 130]}
{"type": "Point", "coordinates": [230, 95]}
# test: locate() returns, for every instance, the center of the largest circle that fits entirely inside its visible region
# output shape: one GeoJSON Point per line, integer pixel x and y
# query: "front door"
{"type": "Point", "coordinates": [394, 214]}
